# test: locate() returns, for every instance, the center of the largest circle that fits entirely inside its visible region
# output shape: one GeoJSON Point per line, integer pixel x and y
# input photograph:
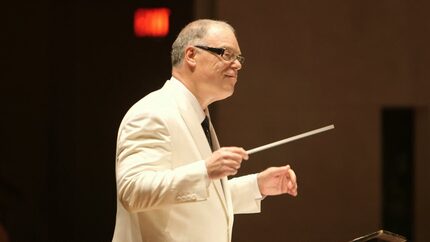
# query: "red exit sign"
{"type": "Point", "coordinates": [151, 22]}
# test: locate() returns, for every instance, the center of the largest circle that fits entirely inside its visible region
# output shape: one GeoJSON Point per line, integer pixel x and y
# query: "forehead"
{"type": "Point", "coordinates": [221, 36]}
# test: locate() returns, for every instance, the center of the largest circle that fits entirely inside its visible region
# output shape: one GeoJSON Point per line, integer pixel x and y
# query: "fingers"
{"type": "Point", "coordinates": [288, 177]}
{"type": "Point", "coordinates": [237, 150]}
{"type": "Point", "coordinates": [292, 175]}
{"type": "Point", "coordinates": [278, 171]}
{"type": "Point", "coordinates": [225, 162]}
{"type": "Point", "coordinates": [292, 183]}
{"type": "Point", "coordinates": [231, 156]}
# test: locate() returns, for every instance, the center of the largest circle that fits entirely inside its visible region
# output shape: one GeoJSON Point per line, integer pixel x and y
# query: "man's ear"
{"type": "Point", "coordinates": [190, 55]}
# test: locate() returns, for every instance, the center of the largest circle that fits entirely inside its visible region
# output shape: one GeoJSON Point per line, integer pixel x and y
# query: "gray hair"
{"type": "Point", "coordinates": [191, 35]}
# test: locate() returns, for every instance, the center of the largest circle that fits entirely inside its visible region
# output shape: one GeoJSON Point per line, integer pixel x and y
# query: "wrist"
{"type": "Point", "coordinates": [260, 186]}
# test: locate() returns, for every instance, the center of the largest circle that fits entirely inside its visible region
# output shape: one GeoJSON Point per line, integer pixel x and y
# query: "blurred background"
{"type": "Point", "coordinates": [71, 70]}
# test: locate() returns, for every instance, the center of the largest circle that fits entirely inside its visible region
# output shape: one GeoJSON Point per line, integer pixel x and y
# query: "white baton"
{"type": "Point", "coordinates": [287, 140]}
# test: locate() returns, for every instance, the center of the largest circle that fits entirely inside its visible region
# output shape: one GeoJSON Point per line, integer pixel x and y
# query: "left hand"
{"type": "Point", "coordinates": [277, 180]}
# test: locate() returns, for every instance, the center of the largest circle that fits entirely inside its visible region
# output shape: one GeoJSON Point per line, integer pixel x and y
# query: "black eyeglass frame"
{"type": "Point", "coordinates": [220, 52]}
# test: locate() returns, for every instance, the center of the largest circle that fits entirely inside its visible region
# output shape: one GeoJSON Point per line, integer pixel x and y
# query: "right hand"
{"type": "Point", "coordinates": [225, 162]}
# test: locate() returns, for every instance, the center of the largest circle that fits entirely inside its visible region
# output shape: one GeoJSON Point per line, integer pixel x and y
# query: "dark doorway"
{"type": "Point", "coordinates": [398, 170]}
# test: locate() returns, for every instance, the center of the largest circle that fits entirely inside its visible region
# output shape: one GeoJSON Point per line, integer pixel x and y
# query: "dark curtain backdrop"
{"type": "Point", "coordinates": [70, 71]}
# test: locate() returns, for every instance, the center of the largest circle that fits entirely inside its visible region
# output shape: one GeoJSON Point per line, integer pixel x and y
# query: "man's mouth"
{"type": "Point", "coordinates": [231, 75]}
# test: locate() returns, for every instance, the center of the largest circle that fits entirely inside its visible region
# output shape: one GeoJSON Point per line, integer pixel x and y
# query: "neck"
{"type": "Point", "coordinates": [203, 100]}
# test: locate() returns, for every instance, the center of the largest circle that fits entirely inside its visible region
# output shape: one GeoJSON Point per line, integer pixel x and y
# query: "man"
{"type": "Point", "coordinates": [170, 185]}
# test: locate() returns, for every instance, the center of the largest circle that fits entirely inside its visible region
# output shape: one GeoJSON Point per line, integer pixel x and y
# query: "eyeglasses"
{"type": "Point", "coordinates": [224, 53]}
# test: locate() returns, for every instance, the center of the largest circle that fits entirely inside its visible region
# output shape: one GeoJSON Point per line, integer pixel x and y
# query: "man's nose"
{"type": "Point", "coordinates": [236, 64]}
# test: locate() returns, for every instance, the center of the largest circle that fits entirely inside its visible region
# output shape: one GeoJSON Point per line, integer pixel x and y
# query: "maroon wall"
{"type": "Point", "coordinates": [314, 63]}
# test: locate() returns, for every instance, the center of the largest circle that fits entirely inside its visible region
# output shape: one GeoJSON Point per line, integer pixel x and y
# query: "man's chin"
{"type": "Point", "coordinates": [229, 92]}
{"type": "Point", "coordinates": [225, 94]}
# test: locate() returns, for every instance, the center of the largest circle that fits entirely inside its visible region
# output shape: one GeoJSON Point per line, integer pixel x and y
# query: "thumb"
{"type": "Point", "coordinates": [280, 170]}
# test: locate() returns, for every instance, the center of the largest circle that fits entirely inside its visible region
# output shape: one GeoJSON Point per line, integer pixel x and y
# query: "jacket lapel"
{"type": "Point", "coordinates": [191, 120]}
{"type": "Point", "coordinates": [223, 188]}
{"type": "Point", "coordinates": [194, 127]}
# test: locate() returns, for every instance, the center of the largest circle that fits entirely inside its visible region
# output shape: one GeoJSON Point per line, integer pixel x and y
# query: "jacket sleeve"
{"type": "Point", "coordinates": [145, 176]}
{"type": "Point", "coordinates": [245, 194]}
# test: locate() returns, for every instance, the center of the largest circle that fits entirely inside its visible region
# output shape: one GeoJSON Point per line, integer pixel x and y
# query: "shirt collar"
{"type": "Point", "coordinates": [195, 105]}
